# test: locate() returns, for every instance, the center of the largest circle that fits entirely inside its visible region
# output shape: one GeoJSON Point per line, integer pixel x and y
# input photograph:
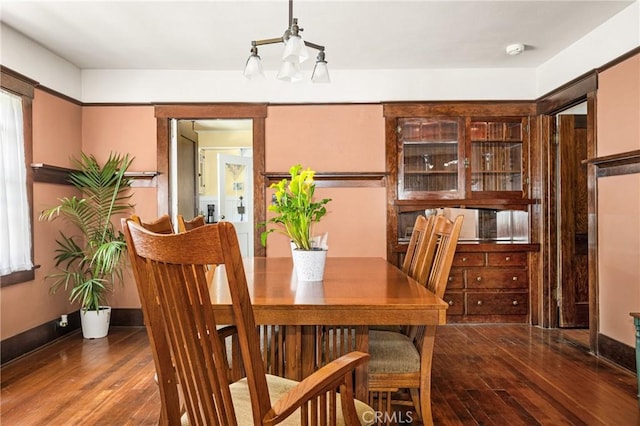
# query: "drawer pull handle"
{"type": "Point", "coordinates": [479, 302]}
{"type": "Point", "coordinates": [450, 278]}
{"type": "Point", "coordinates": [464, 259]}
{"type": "Point", "coordinates": [478, 278]}
{"type": "Point", "coordinates": [515, 278]}
{"type": "Point", "coordinates": [508, 258]}
{"type": "Point", "coordinates": [450, 302]}
{"type": "Point", "coordinates": [514, 303]}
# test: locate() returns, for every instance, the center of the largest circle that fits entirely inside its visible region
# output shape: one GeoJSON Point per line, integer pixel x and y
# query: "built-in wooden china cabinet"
{"type": "Point", "coordinates": [469, 158]}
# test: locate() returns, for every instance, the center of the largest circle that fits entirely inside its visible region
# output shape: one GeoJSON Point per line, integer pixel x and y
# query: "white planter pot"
{"type": "Point", "coordinates": [309, 264]}
{"type": "Point", "coordinates": [95, 324]}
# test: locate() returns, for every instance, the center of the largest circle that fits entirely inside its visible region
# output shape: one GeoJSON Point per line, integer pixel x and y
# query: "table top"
{"type": "Point", "coordinates": [355, 291]}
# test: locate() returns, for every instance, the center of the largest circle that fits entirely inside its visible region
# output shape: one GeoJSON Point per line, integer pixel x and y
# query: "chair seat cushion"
{"type": "Point", "coordinates": [394, 328]}
{"type": "Point", "coordinates": [278, 386]}
{"type": "Point", "coordinates": [392, 353]}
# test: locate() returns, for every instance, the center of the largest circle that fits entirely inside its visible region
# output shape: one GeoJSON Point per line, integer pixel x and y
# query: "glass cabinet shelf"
{"type": "Point", "coordinates": [496, 156]}
{"type": "Point", "coordinates": [429, 155]}
{"type": "Point", "coordinates": [460, 157]}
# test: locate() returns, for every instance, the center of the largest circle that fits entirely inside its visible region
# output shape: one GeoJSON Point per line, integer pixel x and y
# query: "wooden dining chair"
{"type": "Point", "coordinates": [415, 263]}
{"type": "Point", "coordinates": [169, 273]}
{"type": "Point", "coordinates": [187, 225]}
{"type": "Point", "coordinates": [402, 360]}
{"type": "Point", "coordinates": [161, 225]}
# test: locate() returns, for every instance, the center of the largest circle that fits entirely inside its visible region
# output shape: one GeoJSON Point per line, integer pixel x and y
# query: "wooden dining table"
{"type": "Point", "coordinates": [355, 291]}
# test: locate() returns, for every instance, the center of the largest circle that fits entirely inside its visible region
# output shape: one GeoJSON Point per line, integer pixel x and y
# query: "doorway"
{"type": "Point", "coordinates": [212, 169]}
{"type": "Point", "coordinates": [257, 112]}
{"type": "Point", "coordinates": [572, 218]}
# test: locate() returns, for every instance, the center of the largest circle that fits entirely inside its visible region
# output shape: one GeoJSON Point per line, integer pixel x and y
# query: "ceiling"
{"type": "Point", "coordinates": [392, 34]}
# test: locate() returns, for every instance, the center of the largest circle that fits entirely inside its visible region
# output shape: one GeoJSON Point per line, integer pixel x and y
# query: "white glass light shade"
{"type": "Point", "coordinates": [253, 69]}
{"type": "Point", "coordinates": [290, 71]}
{"type": "Point", "coordinates": [320, 73]}
{"type": "Point", "coordinates": [295, 50]}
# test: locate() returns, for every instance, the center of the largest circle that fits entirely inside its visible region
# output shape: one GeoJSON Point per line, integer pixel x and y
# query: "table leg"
{"type": "Point", "coordinates": [308, 350]}
{"type": "Point", "coordinates": [362, 372]}
{"type": "Point", "coordinates": [293, 352]}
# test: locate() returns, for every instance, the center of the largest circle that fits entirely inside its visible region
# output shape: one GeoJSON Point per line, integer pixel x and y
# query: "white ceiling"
{"type": "Point", "coordinates": [392, 34]}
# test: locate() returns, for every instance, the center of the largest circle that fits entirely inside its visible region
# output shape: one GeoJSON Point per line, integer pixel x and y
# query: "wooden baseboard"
{"type": "Point", "coordinates": [617, 352]}
{"type": "Point", "coordinates": [30, 340]}
{"type": "Point", "coordinates": [126, 317]}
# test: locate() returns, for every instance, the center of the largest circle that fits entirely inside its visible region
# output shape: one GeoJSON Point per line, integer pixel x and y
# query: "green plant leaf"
{"type": "Point", "coordinates": [89, 262]}
{"type": "Point", "coordinates": [294, 208]}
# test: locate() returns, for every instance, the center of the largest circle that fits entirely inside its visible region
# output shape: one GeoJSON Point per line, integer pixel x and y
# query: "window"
{"type": "Point", "coordinates": [16, 198]}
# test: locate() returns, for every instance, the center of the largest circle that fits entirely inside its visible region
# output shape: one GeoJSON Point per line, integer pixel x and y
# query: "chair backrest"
{"type": "Point", "coordinates": [195, 348]}
{"type": "Point", "coordinates": [440, 250]}
{"type": "Point", "coordinates": [437, 255]}
{"type": "Point", "coordinates": [161, 225]}
{"type": "Point", "coordinates": [188, 225]}
{"type": "Point", "coordinates": [165, 371]}
{"type": "Point", "coordinates": [414, 260]}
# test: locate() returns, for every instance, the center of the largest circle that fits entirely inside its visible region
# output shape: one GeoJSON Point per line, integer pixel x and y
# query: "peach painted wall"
{"type": "Point", "coordinates": [327, 138]}
{"type": "Point", "coordinates": [619, 202]}
{"type": "Point", "coordinates": [619, 108]}
{"type": "Point", "coordinates": [57, 136]}
{"type": "Point", "coordinates": [333, 138]}
{"type": "Point", "coordinates": [125, 129]}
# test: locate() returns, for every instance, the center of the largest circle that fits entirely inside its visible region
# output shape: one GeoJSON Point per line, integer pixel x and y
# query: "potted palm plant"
{"type": "Point", "coordinates": [91, 261]}
{"type": "Point", "coordinates": [295, 214]}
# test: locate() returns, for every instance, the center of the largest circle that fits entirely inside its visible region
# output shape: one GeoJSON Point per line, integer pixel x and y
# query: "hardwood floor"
{"type": "Point", "coordinates": [482, 375]}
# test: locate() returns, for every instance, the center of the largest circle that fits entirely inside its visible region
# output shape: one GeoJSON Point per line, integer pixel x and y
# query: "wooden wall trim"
{"type": "Point", "coordinates": [46, 173]}
{"type": "Point", "coordinates": [458, 108]}
{"type": "Point", "coordinates": [16, 82]}
{"type": "Point", "coordinates": [623, 163]}
{"type": "Point", "coordinates": [592, 232]}
{"type": "Point", "coordinates": [335, 179]}
{"type": "Point", "coordinates": [32, 339]}
{"type": "Point", "coordinates": [256, 112]}
{"type": "Point", "coordinates": [568, 94]}
{"type": "Point", "coordinates": [222, 110]}
{"type": "Point", "coordinates": [617, 352]}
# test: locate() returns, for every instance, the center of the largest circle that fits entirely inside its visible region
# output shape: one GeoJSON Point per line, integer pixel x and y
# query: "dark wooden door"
{"type": "Point", "coordinates": [573, 222]}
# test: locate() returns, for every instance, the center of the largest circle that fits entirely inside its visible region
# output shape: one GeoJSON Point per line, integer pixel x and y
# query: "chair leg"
{"type": "Point", "coordinates": [415, 398]}
{"type": "Point", "coordinates": [425, 407]}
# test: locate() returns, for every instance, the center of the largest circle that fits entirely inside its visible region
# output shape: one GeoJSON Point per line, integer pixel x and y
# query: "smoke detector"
{"type": "Point", "coordinates": [515, 49]}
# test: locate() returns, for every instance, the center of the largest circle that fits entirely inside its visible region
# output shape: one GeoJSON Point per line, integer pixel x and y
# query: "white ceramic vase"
{"type": "Point", "coordinates": [95, 324]}
{"type": "Point", "coordinates": [309, 264]}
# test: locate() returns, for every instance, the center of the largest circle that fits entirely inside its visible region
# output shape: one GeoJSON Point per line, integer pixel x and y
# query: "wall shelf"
{"type": "Point", "coordinates": [619, 164]}
{"type": "Point", "coordinates": [47, 173]}
{"type": "Point", "coordinates": [337, 179]}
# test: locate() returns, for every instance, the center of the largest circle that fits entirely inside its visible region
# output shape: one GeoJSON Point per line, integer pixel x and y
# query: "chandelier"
{"type": "Point", "coordinates": [295, 52]}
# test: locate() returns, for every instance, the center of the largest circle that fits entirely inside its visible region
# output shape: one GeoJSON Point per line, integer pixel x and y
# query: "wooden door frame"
{"type": "Point", "coordinates": [577, 91]}
{"type": "Point", "coordinates": [256, 112]}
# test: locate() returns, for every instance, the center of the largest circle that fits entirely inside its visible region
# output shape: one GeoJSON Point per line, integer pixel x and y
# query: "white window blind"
{"type": "Point", "coordinates": [15, 223]}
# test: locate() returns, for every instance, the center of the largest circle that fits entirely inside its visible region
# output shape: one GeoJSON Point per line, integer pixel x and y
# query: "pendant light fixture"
{"type": "Point", "coordinates": [295, 52]}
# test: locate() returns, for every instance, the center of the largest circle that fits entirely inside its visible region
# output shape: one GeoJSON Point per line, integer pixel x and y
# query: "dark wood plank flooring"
{"type": "Point", "coordinates": [482, 375]}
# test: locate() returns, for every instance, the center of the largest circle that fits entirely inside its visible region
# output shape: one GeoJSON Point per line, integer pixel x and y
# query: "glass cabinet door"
{"type": "Point", "coordinates": [429, 157]}
{"type": "Point", "coordinates": [496, 156]}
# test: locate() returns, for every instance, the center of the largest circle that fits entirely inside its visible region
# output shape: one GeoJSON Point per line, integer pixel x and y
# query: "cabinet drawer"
{"type": "Point", "coordinates": [496, 278]}
{"type": "Point", "coordinates": [456, 278]}
{"type": "Point", "coordinates": [507, 259]}
{"type": "Point", "coordinates": [456, 303]}
{"type": "Point", "coordinates": [468, 259]}
{"type": "Point", "coordinates": [497, 303]}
